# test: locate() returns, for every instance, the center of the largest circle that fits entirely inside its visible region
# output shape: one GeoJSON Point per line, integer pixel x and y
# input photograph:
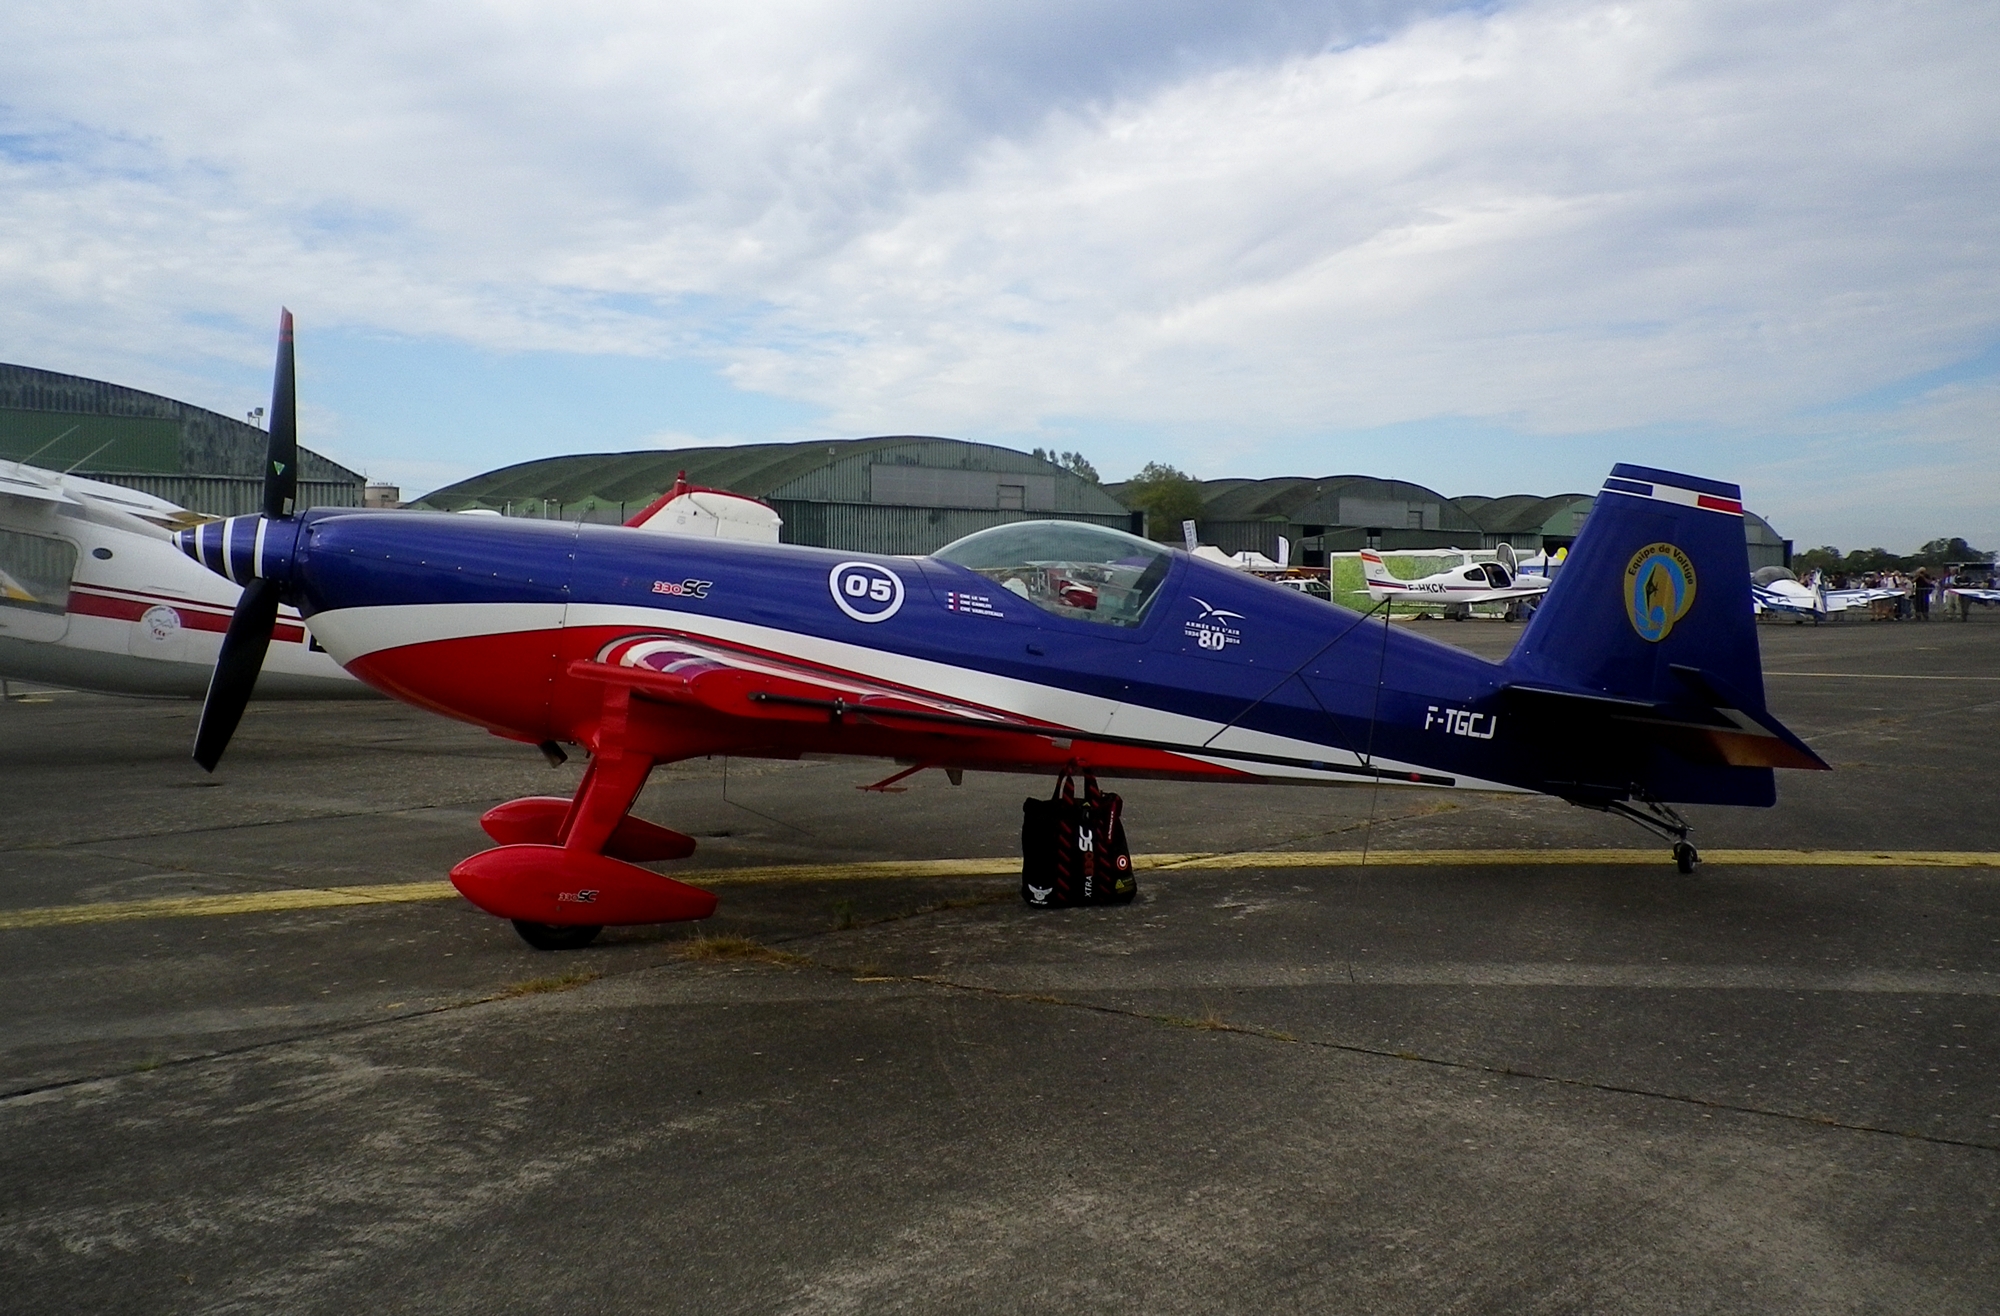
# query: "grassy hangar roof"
{"type": "Point", "coordinates": [1349, 500]}
{"type": "Point", "coordinates": [758, 470]}
{"type": "Point", "coordinates": [885, 493]}
{"type": "Point", "coordinates": [1516, 514]}
{"type": "Point", "coordinates": [205, 461]}
{"type": "Point", "coordinates": [59, 421]}
{"type": "Point", "coordinates": [752, 469]}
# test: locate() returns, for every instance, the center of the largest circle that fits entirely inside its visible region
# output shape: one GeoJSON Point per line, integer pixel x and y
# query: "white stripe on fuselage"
{"type": "Point", "coordinates": [353, 633]}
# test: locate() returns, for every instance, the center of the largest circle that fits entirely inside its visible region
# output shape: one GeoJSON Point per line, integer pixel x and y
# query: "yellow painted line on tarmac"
{"type": "Point", "coordinates": [856, 872]}
{"type": "Point", "coordinates": [248, 902]}
{"type": "Point", "coordinates": [270, 902]}
{"type": "Point", "coordinates": [1882, 676]}
{"type": "Point", "coordinates": [1536, 858]}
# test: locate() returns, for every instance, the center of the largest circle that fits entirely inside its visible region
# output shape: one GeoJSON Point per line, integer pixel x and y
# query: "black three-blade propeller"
{"type": "Point", "coordinates": [249, 635]}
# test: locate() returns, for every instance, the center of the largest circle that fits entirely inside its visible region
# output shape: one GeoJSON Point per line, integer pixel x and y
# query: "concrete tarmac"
{"type": "Point", "coordinates": [1278, 1084]}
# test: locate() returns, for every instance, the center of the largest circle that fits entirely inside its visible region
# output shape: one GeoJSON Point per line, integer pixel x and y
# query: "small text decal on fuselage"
{"type": "Point", "coordinates": [1462, 722]}
{"type": "Point", "coordinates": [1212, 630]}
{"type": "Point", "coordinates": [693, 589]}
{"type": "Point", "coordinates": [979, 605]}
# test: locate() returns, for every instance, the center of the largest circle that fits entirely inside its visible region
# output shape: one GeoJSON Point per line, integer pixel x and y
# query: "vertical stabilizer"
{"type": "Point", "coordinates": [1658, 578]}
{"type": "Point", "coordinates": [1639, 675]}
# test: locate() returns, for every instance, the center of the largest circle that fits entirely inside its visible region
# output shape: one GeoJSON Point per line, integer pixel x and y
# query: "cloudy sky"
{"type": "Point", "coordinates": [1490, 248]}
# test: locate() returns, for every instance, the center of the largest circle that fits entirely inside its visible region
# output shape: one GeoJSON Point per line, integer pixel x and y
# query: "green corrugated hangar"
{"type": "Point", "coordinates": [902, 494]}
{"type": "Point", "coordinates": [915, 494]}
{"type": "Point", "coordinates": [1341, 513]}
{"type": "Point", "coordinates": [202, 460]}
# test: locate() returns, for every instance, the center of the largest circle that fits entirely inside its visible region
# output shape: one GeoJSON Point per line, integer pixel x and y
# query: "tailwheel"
{"type": "Point", "coordinates": [561, 936]}
{"type": "Point", "coordinates": [1661, 820]}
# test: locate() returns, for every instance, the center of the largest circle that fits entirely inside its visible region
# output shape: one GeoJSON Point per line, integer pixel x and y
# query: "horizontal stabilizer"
{"type": "Point", "coordinates": [1712, 727]}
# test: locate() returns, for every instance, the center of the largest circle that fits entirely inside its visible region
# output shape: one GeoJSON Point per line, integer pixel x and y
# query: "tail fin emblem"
{"type": "Point", "coordinates": [1659, 590]}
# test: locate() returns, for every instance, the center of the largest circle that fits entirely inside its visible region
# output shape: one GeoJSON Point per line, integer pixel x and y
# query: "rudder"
{"type": "Point", "coordinates": [1641, 669]}
{"type": "Point", "coordinates": [1681, 539]}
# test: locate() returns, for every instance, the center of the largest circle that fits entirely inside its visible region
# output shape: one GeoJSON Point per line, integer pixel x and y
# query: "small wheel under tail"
{"type": "Point", "coordinates": [1685, 856]}
{"type": "Point", "coordinates": [554, 936]}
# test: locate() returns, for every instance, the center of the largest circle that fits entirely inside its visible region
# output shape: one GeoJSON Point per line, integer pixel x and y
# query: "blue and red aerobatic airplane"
{"type": "Point", "coordinates": [1028, 647]}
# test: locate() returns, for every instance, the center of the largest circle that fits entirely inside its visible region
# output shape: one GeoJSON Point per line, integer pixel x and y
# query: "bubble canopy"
{"type": "Point", "coordinates": [1070, 568]}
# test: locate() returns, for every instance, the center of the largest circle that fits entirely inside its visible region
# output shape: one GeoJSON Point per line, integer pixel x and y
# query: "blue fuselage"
{"type": "Point", "coordinates": [1218, 658]}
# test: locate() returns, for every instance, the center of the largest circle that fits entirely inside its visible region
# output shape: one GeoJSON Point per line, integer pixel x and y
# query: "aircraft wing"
{"type": "Point", "coordinates": [670, 669]}
{"type": "Point", "coordinates": [765, 696]}
{"type": "Point", "coordinates": [1765, 598]}
{"type": "Point", "coordinates": [1379, 591]}
{"type": "Point", "coordinates": [1503, 595]}
{"type": "Point", "coordinates": [1838, 600]}
{"type": "Point", "coordinates": [16, 482]}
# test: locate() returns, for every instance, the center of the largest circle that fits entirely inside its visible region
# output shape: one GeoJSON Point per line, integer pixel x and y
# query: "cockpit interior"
{"type": "Point", "coordinates": [1069, 568]}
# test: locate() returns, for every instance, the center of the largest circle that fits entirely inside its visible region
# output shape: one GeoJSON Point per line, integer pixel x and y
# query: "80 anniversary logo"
{"type": "Point", "coordinates": [866, 592]}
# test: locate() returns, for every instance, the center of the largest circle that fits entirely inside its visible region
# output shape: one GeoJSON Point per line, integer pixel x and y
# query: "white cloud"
{"type": "Point", "coordinates": [1554, 217]}
{"type": "Point", "coordinates": [1895, 476]}
{"type": "Point", "coordinates": [1576, 217]}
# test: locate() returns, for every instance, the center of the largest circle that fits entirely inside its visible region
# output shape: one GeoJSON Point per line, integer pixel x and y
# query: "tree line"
{"type": "Point", "coordinates": [1934, 554]}
{"type": "Point", "coordinates": [1169, 496]}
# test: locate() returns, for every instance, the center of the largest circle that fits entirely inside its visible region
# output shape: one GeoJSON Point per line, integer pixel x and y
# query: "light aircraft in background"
{"type": "Point", "coordinates": [1777, 590]}
{"type": "Point", "coordinates": [1543, 564]}
{"type": "Point", "coordinates": [1971, 594]}
{"type": "Point", "coordinates": [1841, 600]}
{"type": "Point", "coordinates": [691, 509]}
{"type": "Point", "coordinates": [1458, 588]}
{"type": "Point", "coordinates": [1029, 647]}
{"type": "Point", "coordinates": [94, 596]}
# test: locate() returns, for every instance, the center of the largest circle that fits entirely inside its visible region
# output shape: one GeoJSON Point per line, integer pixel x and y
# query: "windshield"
{"type": "Point", "coordinates": [1070, 568]}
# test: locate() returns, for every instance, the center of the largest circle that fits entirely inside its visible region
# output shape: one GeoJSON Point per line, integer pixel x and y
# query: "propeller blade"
{"type": "Point", "coordinates": [249, 634]}
{"type": "Point", "coordinates": [236, 669]}
{"type": "Point", "coordinates": [281, 465]}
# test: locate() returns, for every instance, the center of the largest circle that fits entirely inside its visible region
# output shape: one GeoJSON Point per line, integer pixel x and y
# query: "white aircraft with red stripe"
{"type": "Point", "coordinates": [1460, 587]}
{"type": "Point", "coordinates": [1032, 646]}
{"type": "Point", "coordinates": [94, 596]}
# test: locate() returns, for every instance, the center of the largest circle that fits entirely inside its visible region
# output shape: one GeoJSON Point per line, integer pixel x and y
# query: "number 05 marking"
{"type": "Point", "coordinates": [866, 591]}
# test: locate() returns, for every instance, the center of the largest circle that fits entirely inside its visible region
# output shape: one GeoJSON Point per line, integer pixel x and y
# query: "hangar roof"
{"type": "Point", "coordinates": [60, 421]}
{"type": "Point", "coordinates": [820, 470]}
{"type": "Point", "coordinates": [1759, 531]}
{"type": "Point", "coordinates": [1325, 500]}
{"type": "Point", "coordinates": [1524, 513]}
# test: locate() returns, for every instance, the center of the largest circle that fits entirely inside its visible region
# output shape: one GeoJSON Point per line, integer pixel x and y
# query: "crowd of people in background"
{"type": "Point", "coordinates": [1916, 592]}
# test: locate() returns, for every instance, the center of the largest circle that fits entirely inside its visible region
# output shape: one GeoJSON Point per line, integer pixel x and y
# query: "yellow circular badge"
{"type": "Point", "coordinates": [1659, 590]}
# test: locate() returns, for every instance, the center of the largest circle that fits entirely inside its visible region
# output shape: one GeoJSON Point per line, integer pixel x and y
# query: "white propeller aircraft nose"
{"type": "Point", "coordinates": [93, 595]}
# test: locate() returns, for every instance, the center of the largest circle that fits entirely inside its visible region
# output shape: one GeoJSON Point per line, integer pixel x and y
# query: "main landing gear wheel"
{"type": "Point", "coordinates": [1685, 858]}
{"type": "Point", "coordinates": [552, 936]}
